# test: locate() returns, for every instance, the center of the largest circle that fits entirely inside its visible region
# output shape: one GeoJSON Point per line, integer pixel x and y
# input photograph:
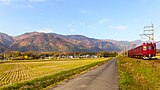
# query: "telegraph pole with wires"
{"type": "Point", "coordinates": [148, 32]}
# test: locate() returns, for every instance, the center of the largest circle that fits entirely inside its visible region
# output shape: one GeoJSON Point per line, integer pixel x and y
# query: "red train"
{"type": "Point", "coordinates": [145, 51]}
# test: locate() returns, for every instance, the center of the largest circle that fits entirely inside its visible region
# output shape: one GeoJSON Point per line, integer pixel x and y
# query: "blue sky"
{"type": "Point", "coordinates": [101, 19]}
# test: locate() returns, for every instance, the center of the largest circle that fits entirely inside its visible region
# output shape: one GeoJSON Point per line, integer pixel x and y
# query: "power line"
{"type": "Point", "coordinates": [148, 32]}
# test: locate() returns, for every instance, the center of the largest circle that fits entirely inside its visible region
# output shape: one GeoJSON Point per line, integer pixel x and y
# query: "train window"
{"type": "Point", "coordinates": [144, 47]}
{"type": "Point", "coordinates": [153, 47]}
{"type": "Point", "coordinates": [149, 47]}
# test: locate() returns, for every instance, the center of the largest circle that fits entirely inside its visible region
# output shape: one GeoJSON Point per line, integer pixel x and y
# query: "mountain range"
{"type": "Point", "coordinates": [52, 42]}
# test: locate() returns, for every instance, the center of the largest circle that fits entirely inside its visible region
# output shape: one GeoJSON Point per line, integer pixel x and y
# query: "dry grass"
{"type": "Point", "coordinates": [138, 74]}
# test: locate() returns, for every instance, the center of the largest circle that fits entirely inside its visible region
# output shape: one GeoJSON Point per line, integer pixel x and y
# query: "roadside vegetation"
{"type": "Point", "coordinates": [41, 74]}
{"type": "Point", "coordinates": [158, 55]}
{"type": "Point", "coordinates": [136, 74]}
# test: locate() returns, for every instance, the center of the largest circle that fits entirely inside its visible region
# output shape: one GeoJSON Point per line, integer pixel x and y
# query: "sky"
{"type": "Point", "coordinates": [100, 19]}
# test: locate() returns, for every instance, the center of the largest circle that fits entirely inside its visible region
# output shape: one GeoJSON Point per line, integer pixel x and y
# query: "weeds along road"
{"type": "Point", "coordinates": [104, 77]}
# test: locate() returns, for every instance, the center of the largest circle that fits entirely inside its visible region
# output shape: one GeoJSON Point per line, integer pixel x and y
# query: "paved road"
{"type": "Point", "coordinates": [104, 77]}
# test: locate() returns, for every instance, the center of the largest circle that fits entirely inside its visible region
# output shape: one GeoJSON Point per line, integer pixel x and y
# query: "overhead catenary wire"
{"type": "Point", "coordinates": [149, 32]}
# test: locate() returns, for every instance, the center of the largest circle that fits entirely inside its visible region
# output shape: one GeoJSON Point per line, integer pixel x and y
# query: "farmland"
{"type": "Point", "coordinates": [12, 72]}
{"type": "Point", "coordinates": [136, 74]}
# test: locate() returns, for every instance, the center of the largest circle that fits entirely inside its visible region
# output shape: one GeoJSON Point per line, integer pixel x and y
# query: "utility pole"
{"type": "Point", "coordinates": [125, 52]}
{"type": "Point", "coordinates": [148, 32]}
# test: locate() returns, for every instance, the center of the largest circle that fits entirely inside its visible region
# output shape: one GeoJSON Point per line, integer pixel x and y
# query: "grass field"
{"type": "Point", "coordinates": [136, 74]}
{"type": "Point", "coordinates": [158, 55]}
{"type": "Point", "coordinates": [12, 72]}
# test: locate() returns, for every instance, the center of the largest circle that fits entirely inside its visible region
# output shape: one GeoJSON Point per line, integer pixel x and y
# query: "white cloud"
{"type": "Point", "coordinates": [19, 2]}
{"type": "Point", "coordinates": [73, 30]}
{"type": "Point", "coordinates": [91, 27]}
{"type": "Point", "coordinates": [30, 6]}
{"type": "Point", "coordinates": [120, 27]}
{"type": "Point", "coordinates": [104, 20]}
{"type": "Point", "coordinates": [83, 11]}
{"type": "Point", "coordinates": [5, 1]}
{"type": "Point", "coordinates": [45, 30]}
{"type": "Point", "coordinates": [58, 0]}
{"type": "Point", "coordinates": [28, 28]}
{"type": "Point", "coordinates": [23, 6]}
{"type": "Point", "coordinates": [36, 0]}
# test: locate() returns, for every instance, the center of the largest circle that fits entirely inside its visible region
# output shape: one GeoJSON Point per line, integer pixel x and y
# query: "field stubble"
{"type": "Point", "coordinates": [12, 72]}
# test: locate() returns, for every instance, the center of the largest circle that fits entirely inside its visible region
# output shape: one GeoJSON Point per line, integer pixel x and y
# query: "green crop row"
{"type": "Point", "coordinates": [136, 74]}
{"type": "Point", "coordinates": [43, 82]}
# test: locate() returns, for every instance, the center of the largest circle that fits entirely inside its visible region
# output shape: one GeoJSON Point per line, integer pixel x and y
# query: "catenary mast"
{"type": "Point", "coordinates": [148, 32]}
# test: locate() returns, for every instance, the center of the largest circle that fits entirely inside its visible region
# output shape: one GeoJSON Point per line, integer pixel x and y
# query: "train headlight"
{"type": "Point", "coordinates": [149, 55]}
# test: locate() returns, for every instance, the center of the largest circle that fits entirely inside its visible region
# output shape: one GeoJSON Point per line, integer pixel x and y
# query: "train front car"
{"type": "Point", "coordinates": [149, 50]}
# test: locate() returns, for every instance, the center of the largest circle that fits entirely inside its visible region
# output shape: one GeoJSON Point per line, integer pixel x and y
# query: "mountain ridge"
{"type": "Point", "coordinates": [52, 42]}
{"type": "Point", "coordinates": [39, 41]}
